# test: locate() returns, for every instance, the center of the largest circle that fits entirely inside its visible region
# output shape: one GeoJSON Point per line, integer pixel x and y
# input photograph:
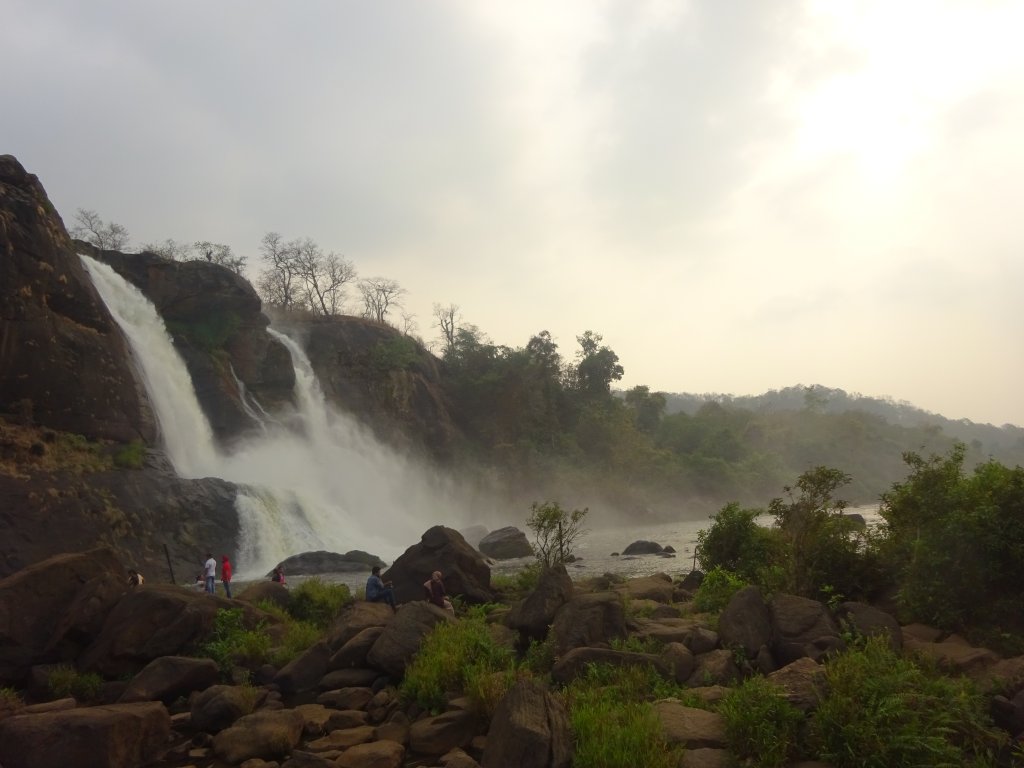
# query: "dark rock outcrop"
{"type": "Point", "coordinates": [589, 620]}
{"type": "Point", "coordinates": [307, 563]}
{"type": "Point", "coordinates": [52, 610]}
{"type": "Point", "coordinates": [643, 548]}
{"type": "Point", "coordinates": [530, 729]}
{"type": "Point", "coordinates": [534, 615]}
{"type": "Point", "coordinates": [746, 622]}
{"type": "Point", "coordinates": [802, 627]}
{"type": "Point", "coordinates": [167, 678]}
{"type": "Point", "coordinates": [402, 637]}
{"type": "Point", "coordinates": [64, 363]}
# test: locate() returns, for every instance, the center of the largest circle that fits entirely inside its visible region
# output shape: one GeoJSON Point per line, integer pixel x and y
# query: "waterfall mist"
{"type": "Point", "coordinates": [310, 479]}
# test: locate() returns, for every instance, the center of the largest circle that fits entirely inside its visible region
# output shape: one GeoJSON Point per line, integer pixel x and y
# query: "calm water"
{"type": "Point", "coordinates": [594, 550]}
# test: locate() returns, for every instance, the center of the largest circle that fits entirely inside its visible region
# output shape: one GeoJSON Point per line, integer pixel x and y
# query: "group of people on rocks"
{"type": "Point", "coordinates": [380, 591]}
{"type": "Point", "coordinates": [377, 590]}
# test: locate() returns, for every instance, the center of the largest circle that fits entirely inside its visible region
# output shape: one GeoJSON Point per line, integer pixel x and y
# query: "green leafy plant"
{"type": "Point", "coordinates": [318, 602]}
{"type": "Point", "coordinates": [761, 726]}
{"type": "Point", "coordinates": [130, 456]}
{"type": "Point", "coordinates": [736, 542]}
{"type": "Point", "coordinates": [395, 353]}
{"type": "Point", "coordinates": [298, 637]}
{"type": "Point", "coordinates": [10, 699]}
{"type": "Point", "coordinates": [555, 531]}
{"type": "Point", "coordinates": [64, 680]}
{"type": "Point", "coordinates": [716, 590]}
{"type": "Point", "coordinates": [884, 711]}
{"type": "Point", "coordinates": [231, 642]}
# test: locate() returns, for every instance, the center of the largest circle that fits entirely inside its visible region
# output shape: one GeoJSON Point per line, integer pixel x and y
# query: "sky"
{"type": "Point", "coordinates": [738, 195]}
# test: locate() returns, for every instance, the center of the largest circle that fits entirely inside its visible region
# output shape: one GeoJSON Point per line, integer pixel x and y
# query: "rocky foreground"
{"type": "Point", "coordinates": [337, 703]}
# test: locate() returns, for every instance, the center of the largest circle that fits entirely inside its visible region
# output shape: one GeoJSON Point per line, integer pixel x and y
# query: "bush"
{"type": "Point", "coordinates": [736, 542]}
{"type": "Point", "coordinates": [453, 658]}
{"type": "Point", "coordinates": [298, 637]}
{"type": "Point", "coordinates": [232, 643]}
{"type": "Point", "coordinates": [762, 727]}
{"type": "Point", "coordinates": [317, 602]}
{"type": "Point", "coordinates": [613, 722]}
{"type": "Point", "coordinates": [884, 711]}
{"type": "Point", "coordinates": [130, 456]}
{"type": "Point", "coordinates": [65, 680]}
{"type": "Point", "coordinates": [10, 700]}
{"type": "Point", "coordinates": [716, 590]}
{"type": "Point", "coordinates": [555, 532]}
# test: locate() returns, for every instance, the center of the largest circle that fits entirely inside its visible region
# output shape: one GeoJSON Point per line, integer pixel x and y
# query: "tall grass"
{"type": "Point", "coordinates": [460, 657]}
{"type": "Point", "coordinates": [64, 680]}
{"type": "Point", "coordinates": [614, 724]}
{"type": "Point", "coordinates": [761, 726]}
{"type": "Point", "coordinates": [318, 602]}
{"type": "Point", "coordinates": [885, 711]}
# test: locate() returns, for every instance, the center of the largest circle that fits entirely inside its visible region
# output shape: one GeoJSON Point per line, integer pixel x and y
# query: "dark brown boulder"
{"type": "Point", "coordinates": [50, 611]}
{"type": "Point", "coordinates": [167, 678]}
{"type": "Point", "coordinates": [572, 664]}
{"type": "Point", "coordinates": [869, 621]}
{"type": "Point", "coordinates": [114, 736]}
{"type": "Point", "coordinates": [154, 621]}
{"type": "Point", "coordinates": [594, 619]}
{"type": "Point", "coordinates": [643, 548]}
{"type": "Point", "coordinates": [466, 573]}
{"type": "Point", "coordinates": [354, 652]}
{"type": "Point", "coordinates": [534, 615]}
{"type": "Point", "coordinates": [219, 706]}
{"type": "Point", "coordinates": [258, 591]}
{"type": "Point", "coordinates": [403, 635]}
{"type": "Point", "coordinates": [304, 672]}
{"type": "Point", "coordinates": [746, 622]}
{"type": "Point", "coordinates": [530, 729]}
{"type": "Point", "coordinates": [356, 617]}
{"type": "Point", "coordinates": [440, 734]}
{"type": "Point", "coordinates": [505, 544]}
{"type": "Point", "coordinates": [266, 734]}
{"type": "Point", "coordinates": [64, 363]}
{"type": "Point", "coordinates": [802, 627]}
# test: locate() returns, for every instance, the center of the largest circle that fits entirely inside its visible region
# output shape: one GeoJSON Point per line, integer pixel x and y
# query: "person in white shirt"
{"type": "Point", "coordinates": [211, 574]}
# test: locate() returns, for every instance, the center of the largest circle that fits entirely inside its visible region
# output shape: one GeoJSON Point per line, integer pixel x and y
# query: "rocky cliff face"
{"type": "Point", "coordinates": [218, 328]}
{"type": "Point", "coordinates": [63, 362]}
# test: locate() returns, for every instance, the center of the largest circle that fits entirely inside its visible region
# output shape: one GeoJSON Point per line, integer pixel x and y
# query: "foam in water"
{"type": "Point", "coordinates": [314, 481]}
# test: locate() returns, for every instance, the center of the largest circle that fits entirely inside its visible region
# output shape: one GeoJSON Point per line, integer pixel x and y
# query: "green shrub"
{"type": "Point", "coordinates": [540, 656]}
{"type": "Point", "coordinates": [10, 699]}
{"type": "Point", "coordinates": [716, 590]}
{"type": "Point", "coordinates": [130, 456]}
{"type": "Point", "coordinates": [613, 723]}
{"type": "Point", "coordinates": [232, 643]}
{"type": "Point", "coordinates": [317, 602]}
{"type": "Point", "coordinates": [736, 542]}
{"type": "Point", "coordinates": [298, 637]}
{"type": "Point", "coordinates": [761, 726]}
{"type": "Point", "coordinates": [210, 332]}
{"type": "Point", "coordinates": [395, 353]}
{"type": "Point", "coordinates": [65, 680]}
{"type": "Point", "coordinates": [453, 658]}
{"type": "Point", "coordinates": [885, 711]}
{"type": "Point", "coordinates": [634, 644]}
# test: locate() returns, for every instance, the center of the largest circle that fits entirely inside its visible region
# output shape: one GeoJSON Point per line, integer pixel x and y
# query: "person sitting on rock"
{"type": "Point", "coordinates": [278, 576]}
{"type": "Point", "coordinates": [378, 591]}
{"type": "Point", "coordinates": [135, 579]}
{"type": "Point", "coordinates": [434, 591]}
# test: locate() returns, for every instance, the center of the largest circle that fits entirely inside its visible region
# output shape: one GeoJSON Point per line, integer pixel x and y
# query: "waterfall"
{"type": "Point", "coordinates": [316, 480]}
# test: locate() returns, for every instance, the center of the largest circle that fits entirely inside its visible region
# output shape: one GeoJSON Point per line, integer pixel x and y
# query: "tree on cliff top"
{"type": "Point", "coordinates": [107, 236]}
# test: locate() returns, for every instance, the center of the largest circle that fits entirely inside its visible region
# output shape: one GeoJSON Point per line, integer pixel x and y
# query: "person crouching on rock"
{"type": "Point", "coordinates": [378, 591]}
{"type": "Point", "coordinates": [434, 591]}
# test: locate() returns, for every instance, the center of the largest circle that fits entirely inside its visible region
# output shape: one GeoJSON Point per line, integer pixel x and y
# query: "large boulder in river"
{"type": "Point", "coordinates": [464, 570]}
{"type": "Point", "coordinates": [505, 544]}
{"type": "Point", "coordinates": [307, 563]}
{"type": "Point", "coordinates": [64, 363]}
{"type": "Point", "coordinates": [643, 548]}
{"type": "Point", "coordinates": [50, 611]}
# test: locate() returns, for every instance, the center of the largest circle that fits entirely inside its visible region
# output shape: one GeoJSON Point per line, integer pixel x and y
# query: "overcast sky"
{"type": "Point", "coordinates": [738, 195]}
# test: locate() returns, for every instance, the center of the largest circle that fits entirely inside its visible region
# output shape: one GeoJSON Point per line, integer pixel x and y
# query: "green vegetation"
{"type": "Point", "coordinates": [10, 699]}
{"type": "Point", "coordinates": [762, 727]}
{"type": "Point", "coordinates": [232, 643]}
{"type": "Point", "coordinates": [555, 532]}
{"type": "Point", "coordinates": [614, 724]}
{"type": "Point", "coordinates": [318, 602]}
{"type": "Point", "coordinates": [737, 543]}
{"type": "Point", "coordinates": [716, 590]}
{"type": "Point", "coordinates": [884, 711]}
{"type": "Point", "coordinates": [209, 332]}
{"type": "Point", "coordinates": [395, 353]}
{"type": "Point", "coordinates": [130, 456]}
{"type": "Point", "coordinates": [459, 656]}
{"type": "Point", "coordinates": [64, 680]}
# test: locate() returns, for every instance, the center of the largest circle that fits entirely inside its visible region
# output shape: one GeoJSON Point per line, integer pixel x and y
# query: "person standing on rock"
{"type": "Point", "coordinates": [210, 570]}
{"type": "Point", "coordinates": [225, 574]}
{"type": "Point", "coordinates": [434, 592]}
{"type": "Point", "coordinates": [377, 591]}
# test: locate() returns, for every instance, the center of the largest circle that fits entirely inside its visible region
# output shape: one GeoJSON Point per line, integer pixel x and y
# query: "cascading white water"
{"type": "Point", "coordinates": [327, 484]}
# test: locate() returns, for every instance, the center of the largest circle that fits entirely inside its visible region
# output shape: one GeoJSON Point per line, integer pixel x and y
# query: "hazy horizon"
{"type": "Point", "coordinates": [739, 197]}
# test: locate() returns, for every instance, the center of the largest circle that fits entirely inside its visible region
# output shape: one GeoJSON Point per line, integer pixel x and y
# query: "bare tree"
{"type": "Point", "coordinates": [447, 319]}
{"type": "Point", "coordinates": [279, 283]}
{"type": "Point", "coordinates": [409, 326]}
{"type": "Point", "coordinates": [170, 249]}
{"type": "Point", "coordinates": [107, 236]}
{"type": "Point", "coordinates": [324, 276]}
{"type": "Point", "coordinates": [379, 296]}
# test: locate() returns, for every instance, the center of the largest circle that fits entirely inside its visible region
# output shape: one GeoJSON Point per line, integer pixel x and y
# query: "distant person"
{"type": "Point", "coordinates": [278, 575]}
{"type": "Point", "coordinates": [378, 591]}
{"type": "Point", "coordinates": [210, 572]}
{"type": "Point", "coordinates": [135, 579]}
{"type": "Point", "coordinates": [225, 574]}
{"type": "Point", "coordinates": [434, 591]}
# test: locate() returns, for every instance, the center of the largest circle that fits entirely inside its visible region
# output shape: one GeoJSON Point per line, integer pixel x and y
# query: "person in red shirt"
{"type": "Point", "coordinates": [225, 574]}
